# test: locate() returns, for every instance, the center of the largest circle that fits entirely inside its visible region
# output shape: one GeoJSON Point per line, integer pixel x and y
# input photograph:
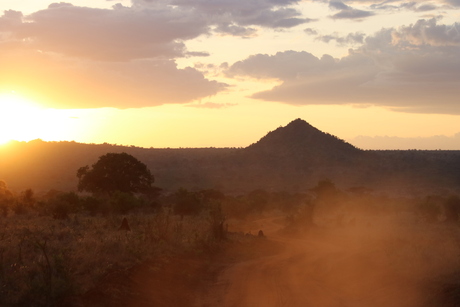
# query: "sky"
{"type": "Point", "coordinates": [223, 73]}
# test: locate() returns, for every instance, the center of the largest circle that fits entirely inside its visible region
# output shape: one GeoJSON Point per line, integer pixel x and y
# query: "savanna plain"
{"type": "Point", "coordinates": [123, 236]}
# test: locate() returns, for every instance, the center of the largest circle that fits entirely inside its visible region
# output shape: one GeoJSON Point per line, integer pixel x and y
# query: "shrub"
{"type": "Point", "coordinates": [121, 202]}
{"type": "Point", "coordinates": [94, 205]}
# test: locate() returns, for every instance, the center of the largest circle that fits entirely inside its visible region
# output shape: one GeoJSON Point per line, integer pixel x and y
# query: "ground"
{"type": "Point", "coordinates": [360, 265]}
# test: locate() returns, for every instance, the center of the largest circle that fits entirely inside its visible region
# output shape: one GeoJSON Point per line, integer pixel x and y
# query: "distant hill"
{"type": "Point", "coordinates": [291, 158]}
{"type": "Point", "coordinates": [301, 137]}
{"type": "Point", "coordinates": [302, 142]}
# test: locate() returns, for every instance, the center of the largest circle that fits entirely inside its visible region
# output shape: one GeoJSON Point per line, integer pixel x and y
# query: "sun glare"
{"type": "Point", "coordinates": [24, 120]}
{"type": "Point", "coordinates": [15, 116]}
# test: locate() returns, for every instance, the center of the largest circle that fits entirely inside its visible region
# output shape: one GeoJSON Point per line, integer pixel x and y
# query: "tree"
{"type": "Point", "coordinates": [115, 172]}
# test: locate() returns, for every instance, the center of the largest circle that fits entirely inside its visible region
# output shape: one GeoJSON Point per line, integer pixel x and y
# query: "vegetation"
{"type": "Point", "coordinates": [56, 243]}
{"type": "Point", "coordinates": [115, 172]}
{"type": "Point", "coordinates": [288, 159]}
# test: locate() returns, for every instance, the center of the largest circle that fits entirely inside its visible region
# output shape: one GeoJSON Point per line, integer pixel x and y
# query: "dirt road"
{"type": "Point", "coordinates": [325, 268]}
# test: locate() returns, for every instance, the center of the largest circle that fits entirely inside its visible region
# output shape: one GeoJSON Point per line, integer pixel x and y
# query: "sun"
{"type": "Point", "coordinates": [18, 117]}
{"type": "Point", "coordinates": [22, 119]}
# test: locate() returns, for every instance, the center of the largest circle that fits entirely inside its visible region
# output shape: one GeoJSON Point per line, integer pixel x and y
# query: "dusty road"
{"type": "Point", "coordinates": [325, 268]}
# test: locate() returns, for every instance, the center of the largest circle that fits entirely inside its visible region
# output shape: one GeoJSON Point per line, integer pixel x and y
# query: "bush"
{"type": "Point", "coordinates": [94, 205]}
{"type": "Point", "coordinates": [187, 203]}
{"type": "Point", "coordinates": [121, 202]}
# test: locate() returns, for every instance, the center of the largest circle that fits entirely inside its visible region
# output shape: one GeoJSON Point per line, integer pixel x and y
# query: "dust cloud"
{"type": "Point", "coordinates": [381, 260]}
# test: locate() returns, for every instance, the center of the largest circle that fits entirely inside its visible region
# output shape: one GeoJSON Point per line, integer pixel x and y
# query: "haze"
{"type": "Point", "coordinates": [202, 73]}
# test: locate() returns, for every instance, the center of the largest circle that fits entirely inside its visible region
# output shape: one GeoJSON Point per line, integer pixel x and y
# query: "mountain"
{"type": "Point", "coordinates": [302, 142]}
{"type": "Point", "coordinates": [299, 155]}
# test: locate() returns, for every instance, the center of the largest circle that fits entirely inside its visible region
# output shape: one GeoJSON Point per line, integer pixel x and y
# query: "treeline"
{"type": "Point", "coordinates": [40, 165]}
{"type": "Point", "coordinates": [326, 202]}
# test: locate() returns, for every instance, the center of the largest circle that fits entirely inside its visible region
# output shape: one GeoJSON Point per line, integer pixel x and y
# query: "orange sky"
{"type": "Point", "coordinates": [201, 73]}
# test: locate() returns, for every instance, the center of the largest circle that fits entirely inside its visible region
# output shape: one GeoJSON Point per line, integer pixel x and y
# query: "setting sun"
{"type": "Point", "coordinates": [24, 120]}
{"type": "Point", "coordinates": [16, 118]}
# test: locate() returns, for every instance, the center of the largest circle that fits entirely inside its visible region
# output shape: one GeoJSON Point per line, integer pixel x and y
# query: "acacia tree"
{"type": "Point", "coordinates": [115, 172]}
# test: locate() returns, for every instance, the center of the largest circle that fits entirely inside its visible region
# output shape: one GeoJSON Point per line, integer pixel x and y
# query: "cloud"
{"type": "Point", "coordinates": [283, 65]}
{"type": "Point", "coordinates": [414, 68]}
{"type": "Point", "coordinates": [428, 33]}
{"type": "Point", "coordinates": [411, 6]}
{"type": "Point", "coordinates": [349, 39]}
{"type": "Point", "coordinates": [235, 30]}
{"type": "Point", "coordinates": [60, 82]}
{"type": "Point", "coordinates": [145, 30]}
{"type": "Point", "coordinates": [10, 19]}
{"type": "Point", "coordinates": [67, 56]}
{"type": "Point", "coordinates": [338, 5]}
{"type": "Point", "coordinates": [352, 14]}
{"type": "Point", "coordinates": [239, 17]}
{"type": "Point", "coordinates": [347, 12]}
{"type": "Point", "coordinates": [399, 143]}
{"type": "Point", "coordinates": [117, 34]}
{"type": "Point", "coordinates": [455, 3]}
{"type": "Point", "coordinates": [310, 31]}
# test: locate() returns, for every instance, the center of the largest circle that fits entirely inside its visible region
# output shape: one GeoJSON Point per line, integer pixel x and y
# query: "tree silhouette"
{"type": "Point", "coordinates": [115, 172]}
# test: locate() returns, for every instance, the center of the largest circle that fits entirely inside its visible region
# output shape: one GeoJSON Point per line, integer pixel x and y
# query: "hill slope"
{"type": "Point", "coordinates": [300, 136]}
{"type": "Point", "coordinates": [302, 142]}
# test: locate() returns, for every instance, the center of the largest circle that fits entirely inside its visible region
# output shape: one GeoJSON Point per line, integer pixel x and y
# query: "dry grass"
{"type": "Point", "coordinates": [43, 260]}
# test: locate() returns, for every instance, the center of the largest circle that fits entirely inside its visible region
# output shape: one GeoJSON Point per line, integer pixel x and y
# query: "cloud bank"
{"type": "Point", "coordinates": [125, 57]}
{"type": "Point", "coordinates": [68, 56]}
{"type": "Point", "coordinates": [413, 68]}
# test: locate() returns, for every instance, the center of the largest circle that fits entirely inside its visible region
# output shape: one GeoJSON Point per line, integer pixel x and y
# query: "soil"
{"type": "Point", "coordinates": [324, 268]}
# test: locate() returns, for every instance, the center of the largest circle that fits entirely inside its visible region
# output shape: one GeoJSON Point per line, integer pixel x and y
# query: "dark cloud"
{"type": "Point", "coordinates": [411, 6]}
{"type": "Point", "coordinates": [352, 14]}
{"type": "Point", "coordinates": [235, 30]}
{"type": "Point", "coordinates": [290, 22]}
{"type": "Point", "coordinates": [425, 8]}
{"type": "Point", "coordinates": [239, 17]}
{"type": "Point", "coordinates": [347, 12]}
{"type": "Point", "coordinates": [411, 69]}
{"type": "Point", "coordinates": [310, 31]}
{"type": "Point", "coordinates": [455, 3]}
{"type": "Point", "coordinates": [350, 39]}
{"type": "Point", "coordinates": [338, 5]}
